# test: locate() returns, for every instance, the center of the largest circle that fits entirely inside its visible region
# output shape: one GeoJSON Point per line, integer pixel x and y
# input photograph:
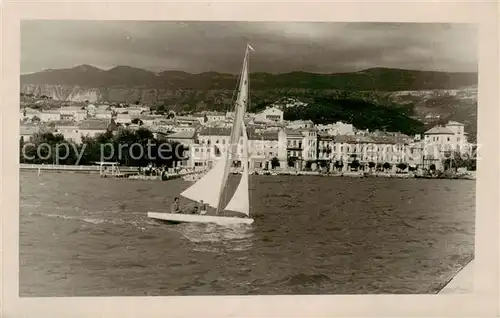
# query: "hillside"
{"type": "Point", "coordinates": [362, 114]}
{"type": "Point", "coordinates": [430, 97]}
{"type": "Point", "coordinates": [380, 79]}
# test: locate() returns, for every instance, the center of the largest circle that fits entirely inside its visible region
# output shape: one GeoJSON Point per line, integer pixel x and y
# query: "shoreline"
{"type": "Point", "coordinates": [134, 171]}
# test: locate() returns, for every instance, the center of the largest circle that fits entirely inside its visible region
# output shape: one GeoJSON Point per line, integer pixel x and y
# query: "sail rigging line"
{"type": "Point", "coordinates": [211, 187]}
{"type": "Point", "coordinates": [235, 131]}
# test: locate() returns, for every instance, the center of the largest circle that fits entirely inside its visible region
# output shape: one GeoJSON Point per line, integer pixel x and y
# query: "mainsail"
{"type": "Point", "coordinates": [207, 188]}
{"type": "Point", "coordinates": [212, 186]}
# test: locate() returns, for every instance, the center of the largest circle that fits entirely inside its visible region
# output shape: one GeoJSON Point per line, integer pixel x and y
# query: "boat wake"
{"type": "Point", "coordinates": [140, 223]}
{"type": "Point", "coordinates": [236, 238]}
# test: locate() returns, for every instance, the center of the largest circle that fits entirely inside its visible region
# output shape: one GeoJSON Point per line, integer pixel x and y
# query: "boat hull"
{"type": "Point", "coordinates": [197, 218]}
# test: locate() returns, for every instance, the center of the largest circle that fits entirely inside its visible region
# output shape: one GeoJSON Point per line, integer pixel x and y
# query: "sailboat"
{"type": "Point", "coordinates": [211, 188]}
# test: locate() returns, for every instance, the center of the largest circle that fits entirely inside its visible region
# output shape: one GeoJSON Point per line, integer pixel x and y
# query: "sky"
{"type": "Point", "coordinates": [280, 47]}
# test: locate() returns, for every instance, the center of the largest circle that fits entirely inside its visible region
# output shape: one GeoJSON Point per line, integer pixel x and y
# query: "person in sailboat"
{"type": "Point", "coordinates": [203, 208]}
{"type": "Point", "coordinates": [195, 210]}
{"type": "Point", "coordinates": [176, 208]}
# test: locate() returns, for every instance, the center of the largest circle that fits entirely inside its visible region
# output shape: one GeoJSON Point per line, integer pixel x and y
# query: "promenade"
{"type": "Point", "coordinates": [72, 168]}
{"type": "Point", "coordinates": [462, 283]}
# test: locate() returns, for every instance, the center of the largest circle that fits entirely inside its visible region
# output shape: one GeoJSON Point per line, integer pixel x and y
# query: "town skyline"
{"type": "Point", "coordinates": [281, 47]}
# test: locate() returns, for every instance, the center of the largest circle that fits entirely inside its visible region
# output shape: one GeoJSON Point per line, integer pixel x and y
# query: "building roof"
{"type": "Point", "coordinates": [188, 118]}
{"type": "Point", "coordinates": [29, 129]}
{"type": "Point", "coordinates": [93, 124]}
{"type": "Point", "coordinates": [251, 132]}
{"type": "Point", "coordinates": [189, 134]}
{"type": "Point", "coordinates": [350, 139]}
{"type": "Point", "coordinates": [62, 123]}
{"type": "Point", "coordinates": [324, 136]}
{"type": "Point", "coordinates": [215, 131]}
{"type": "Point", "coordinates": [293, 133]}
{"type": "Point", "coordinates": [438, 130]}
{"type": "Point", "coordinates": [264, 135]}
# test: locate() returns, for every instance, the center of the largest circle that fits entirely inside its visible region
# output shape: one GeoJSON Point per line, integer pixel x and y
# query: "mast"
{"type": "Point", "coordinates": [239, 112]}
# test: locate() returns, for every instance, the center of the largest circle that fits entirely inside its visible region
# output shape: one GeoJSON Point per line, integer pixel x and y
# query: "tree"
{"type": "Point", "coordinates": [432, 167]}
{"type": "Point", "coordinates": [161, 109]}
{"type": "Point", "coordinates": [275, 163]}
{"type": "Point", "coordinates": [355, 164]}
{"type": "Point", "coordinates": [137, 121]}
{"type": "Point", "coordinates": [402, 166]}
{"type": "Point", "coordinates": [371, 165]}
{"type": "Point", "coordinates": [36, 119]}
{"type": "Point", "coordinates": [291, 162]}
{"type": "Point", "coordinates": [338, 164]}
{"type": "Point", "coordinates": [387, 166]}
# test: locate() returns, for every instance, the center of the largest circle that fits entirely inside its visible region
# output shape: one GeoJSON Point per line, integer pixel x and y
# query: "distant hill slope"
{"type": "Point", "coordinates": [384, 79]}
{"type": "Point", "coordinates": [416, 94]}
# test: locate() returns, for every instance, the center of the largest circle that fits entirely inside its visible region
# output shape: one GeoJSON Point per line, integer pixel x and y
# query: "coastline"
{"type": "Point", "coordinates": [94, 169]}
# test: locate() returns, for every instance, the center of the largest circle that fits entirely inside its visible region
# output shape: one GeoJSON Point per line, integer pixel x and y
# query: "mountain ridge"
{"type": "Point", "coordinates": [379, 78]}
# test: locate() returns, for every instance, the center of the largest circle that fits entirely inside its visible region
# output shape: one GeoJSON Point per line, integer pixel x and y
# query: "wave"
{"type": "Point", "coordinates": [302, 279]}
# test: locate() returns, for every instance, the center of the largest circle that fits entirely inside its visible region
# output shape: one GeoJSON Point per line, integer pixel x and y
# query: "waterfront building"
{"type": "Point", "coordinates": [379, 150]}
{"type": "Point", "coordinates": [309, 141]}
{"type": "Point", "coordinates": [263, 147]}
{"type": "Point", "coordinates": [324, 150]}
{"type": "Point", "coordinates": [294, 149]}
{"type": "Point", "coordinates": [441, 142]}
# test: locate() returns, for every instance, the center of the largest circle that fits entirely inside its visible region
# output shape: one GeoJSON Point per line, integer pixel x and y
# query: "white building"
{"type": "Point", "coordinates": [46, 116]}
{"type": "Point", "coordinates": [450, 137]}
{"type": "Point", "coordinates": [212, 116]}
{"type": "Point", "coordinates": [338, 128]}
{"type": "Point", "coordinates": [262, 146]}
{"type": "Point", "coordinates": [309, 142]}
{"type": "Point", "coordinates": [270, 114]}
{"type": "Point", "coordinates": [299, 124]}
{"type": "Point", "coordinates": [69, 129]}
